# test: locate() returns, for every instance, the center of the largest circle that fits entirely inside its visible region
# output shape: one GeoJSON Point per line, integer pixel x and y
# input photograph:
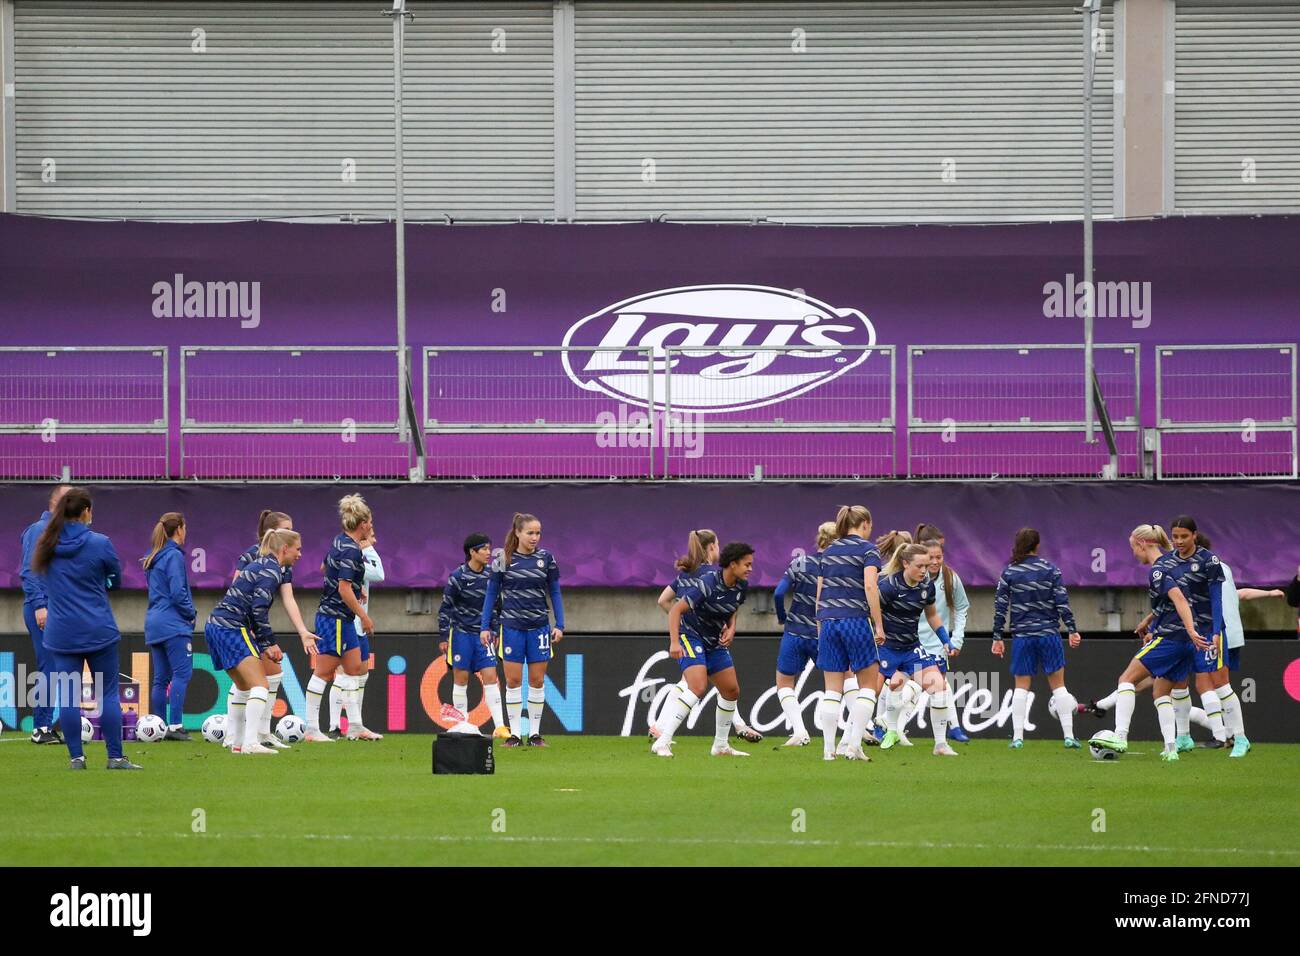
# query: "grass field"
{"type": "Point", "coordinates": [605, 800]}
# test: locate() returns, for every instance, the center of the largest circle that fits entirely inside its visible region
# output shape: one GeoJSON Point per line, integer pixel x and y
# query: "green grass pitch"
{"type": "Point", "coordinates": [606, 800]}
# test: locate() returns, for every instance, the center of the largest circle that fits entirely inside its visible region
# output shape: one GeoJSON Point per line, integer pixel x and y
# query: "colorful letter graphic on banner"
{"type": "Point", "coordinates": [397, 693]}
{"type": "Point", "coordinates": [9, 690]}
{"type": "Point", "coordinates": [292, 691]}
{"type": "Point", "coordinates": [203, 662]}
{"type": "Point", "coordinates": [567, 707]}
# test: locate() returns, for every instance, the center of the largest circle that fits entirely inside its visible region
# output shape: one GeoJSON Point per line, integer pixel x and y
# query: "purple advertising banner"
{"type": "Point", "coordinates": [821, 300]}
{"type": "Point", "coordinates": [628, 535]}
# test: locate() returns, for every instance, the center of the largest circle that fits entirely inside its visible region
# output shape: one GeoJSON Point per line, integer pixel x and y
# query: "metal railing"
{"type": "Point", "coordinates": [341, 404]}
{"type": "Point", "coordinates": [1011, 411]}
{"type": "Point", "coordinates": [1226, 411]}
{"type": "Point", "coordinates": [72, 413]}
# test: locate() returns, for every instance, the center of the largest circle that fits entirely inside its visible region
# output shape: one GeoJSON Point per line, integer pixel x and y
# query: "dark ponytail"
{"type": "Point", "coordinates": [71, 506]}
{"type": "Point", "coordinates": [1026, 541]}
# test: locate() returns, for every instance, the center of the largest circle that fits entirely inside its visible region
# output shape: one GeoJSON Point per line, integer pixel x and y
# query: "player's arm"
{"type": "Point", "coordinates": [960, 611]}
{"type": "Point", "coordinates": [1062, 598]}
{"type": "Point", "coordinates": [290, 604]}
{"type": "Point", "coordinates": [448, 605]}
{"type": "Point", "coordinates": [374, 566]}
{"type": "Point", "coordinates": [936, 625]}
{"type": "Point", "coordinates": [1001, 609]}
{"type": "Point", "coordinates": [778, 597]}
{"type": "Point", "coordinates": [489, 607]}
{"type": "Point", "coordinates": [178, 590]}
{"type": "Point", "coordinates": [667, 597]}
{"type": "Point", "coordinates": [1184, 610]}
{"type": "Point", "coordinates": [728, 633]}
{"type": "Point", "coordinates": [871, 584]}
{"type": "Point", "coordinates": [557, 602]}
{"type": "Point", "coordinates": [349, 599]}
{"type": "Point", "coordinates": [675, 628]}
{"type": "Point", "coordinates": [1254, 594]}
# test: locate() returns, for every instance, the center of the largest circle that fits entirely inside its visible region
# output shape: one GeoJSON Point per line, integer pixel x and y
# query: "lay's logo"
{"type": "Point", "coordinates": [725, 329]}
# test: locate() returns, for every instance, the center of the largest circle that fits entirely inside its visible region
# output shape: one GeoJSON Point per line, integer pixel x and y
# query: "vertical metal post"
{"type": "Point", "coordinates": [399, 15]}
{"type": "Point", "coordinates": [656, 433]}
{"type": "Point", "coordinates": [668, 402]}
{"type": "Point", "coordinates": [1091, 10]}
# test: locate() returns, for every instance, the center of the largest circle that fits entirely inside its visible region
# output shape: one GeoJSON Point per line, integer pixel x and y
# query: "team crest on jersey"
{"type": "Point", "coordinates": [729, 331]}
{"type": "Point", "coordinates": [507, 650]}
{"type": "Point", "coordinates": [1196, 566]}
{"type": "Point", "coordinates": [541, 563]}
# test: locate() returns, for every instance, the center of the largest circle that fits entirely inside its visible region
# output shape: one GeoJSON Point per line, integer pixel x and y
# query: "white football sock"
{"type": "Point", "coordinates": [722, 721]}
{"type": "Point", "coordinates": [536, 704]}
{"type": "Point", "coordinates": [348, 683]}
{"type": "Point", "coordinates": [1233, 719]}
{"type": "Point", "coordinates": [336, 705]}
{"type": "Point", "coordinates": [682, 705]}
{"type": "Point", "coordinates": [898, 702]}
{"type": "Point", "coordinates": [1019, 712]}
{"type": "Point", "coordinates": [1199, 718]}
{"type": "Point", "coordinates": [953, 719]}
{"type": "Point", "coordinates": [460, 697]}
{"type": "Point", "coordinates": [939, 716]}
{"type": "Point", "coordinates": [793, 712]}
{"type": "Point", "coordinates": [235, 720]}
{"type": "Point", "coordinates": [1107, 702]}
{"type": "Point", "coordinates": [1168, 722]}
{"type": "Point", "coordinates": [230, 708]}
{"type": "Point", "coordinates": [848, 698]}
{"type": "Point", "coordinates": [911, 699]}
{"type": "Point", "coordinates": [515, 709]}
{"type": "Point", "coordinates": [315, 691]}
{"type": "Point", "coordinates": [253, 715]}
{"type": "Point", "coordinates": [1065, 704]}
{"type": "Point", "coordinates": [737, 721]}
{"type": "Point", "coordinates": [882, 704]}
{"type": "Point", "coordinates": [1125, 701]}
{"type": "Point", "coordinates": [864, 706]}
{"type": "Point", "coordinates": [361, 692]}
{"type": "Point", "coordinates": [1182, 698]}
{"type": "Point", "coordinates": [830, 715]}
{"type": "Point", "coordinates": [1213, 714]}
{"type": "Point", "coordinates": [272, 691]}
{"type": "Point", "coordinates": [492, 694]}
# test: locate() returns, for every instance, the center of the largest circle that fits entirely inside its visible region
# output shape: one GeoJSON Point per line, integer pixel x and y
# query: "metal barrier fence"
{"type": "Point", "coordinates": [1011, 411]}
{"type": "Point", "coordinates": [73, 413]}
{"type": "Point", "coordinates": [1226, 411]}
{"type": "Point", "coordinates": [290, 412]}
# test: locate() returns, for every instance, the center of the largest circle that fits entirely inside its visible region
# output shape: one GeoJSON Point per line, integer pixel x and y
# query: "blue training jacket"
{"type": "Point", "coordinates": [171, 606]}
{"type": "Point", "coordinates": [84, 569]}
{"type": "Point", "coordinates": [33, 585]}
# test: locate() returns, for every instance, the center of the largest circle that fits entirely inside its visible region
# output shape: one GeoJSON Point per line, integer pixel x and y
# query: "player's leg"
{"type": "Point", "coordinates": [328, 658]}
{"type": "Point", "coordinates": [1162, 689]}
{"type": "Point", "coordinates": [274, 676]}
{"type": "Point", "coordinates": [832, 661]}
{"type": "Point", "coordinates": [1233, 718]}
{"type": "Point", "coordinates": [791, 661]}
{"type": "Point", "coordinates": [160, 662]}
{"type": "Point", "coordinates": [105, 671]}
{"type": "Point", "coordinates": [673, 692]}
{"type": "Point", "coordinates": [1181, 696]}
{"type": "Point", "coordinates": [460, 660]}
{"type": "Point", "coordinates": [353, 667]}
{"type": "Point", "coordinates": [696, 677]}
{"type": "Point", "coordinates": [1065, 706]}
{"type": "Point", "coordinates": [860, 715]}
{"type": "Point", "coordinates": [900, 697]}
{"type": "Point", "coordinates": [728, 685]}
{"type": "Point", "coordinates": [251, 677]}
{"type": "Point", "coordinates": [1103, 705]}
{"type": "Point", "coordinates": [43, 717]}
{"type": "Point", "coordinates": [63, 673]}
{"type": "Point", "coordinates": [935, 684]}
{"type": "Point", "coordinates": [180, 657]}
{"type": "Point", "coordinates": [536, 702]}
{"type": "Point", "coordinates": [514, 673]}
{"type": "Point", "coordinates": [367, 665]}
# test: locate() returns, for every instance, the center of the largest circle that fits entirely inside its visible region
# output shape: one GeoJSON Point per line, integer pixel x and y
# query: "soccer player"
{"type": "Point", "coordinates": [701, 627]}
{"type": "Point", "coordinates": [337, 642]}
{"type": "Point", "coordinates": [1167, 656]}
{"type": "Point", "coordinates": [458, 617]}
{"type": "Point", "coordinates": [953, 604]}
{"type": "Point", "coordinates": [374, 575]}
{"type": "Point", "coordinates": [44, 728]}
{"type": "Point", "coordinates": [239, 636]}
{"type": "Point", "coordinates": [906, 594]}
{"type": "Point", "coordinates": [799, 641]}
{"type": "Point", "coordinates": [701, 558]}
{"type": "Point", "coordinates": [848, 602]}
{"type": "Point", "coordinates": [80, 567]}
{"type": "Point", "coordinates": [522, 580]}
{"type": "Point", "coordinates": [169, 623]}
{"type": "Point", "coordinates": [1030, 605]}
{"type": "Point", "coordinates": [1201, 580]}
{"type": "Point", "coordinates": [270, 521]}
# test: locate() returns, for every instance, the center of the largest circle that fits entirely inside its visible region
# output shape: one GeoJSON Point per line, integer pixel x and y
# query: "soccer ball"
{"type": "Point", "coordinates": [214, 729]}
{"type": "Point", "coordinates": [150, 729]}
{"type": "Point", "coordinates": [87, 731]}
{"type": "Point", "coordinates": [1097, 746]}
{"type": "Point", "coordinates": [290, 729]}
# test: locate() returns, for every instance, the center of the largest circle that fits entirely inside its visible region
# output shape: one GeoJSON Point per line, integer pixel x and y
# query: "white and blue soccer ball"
{"type": "Point", "coordinates": [87, 730]}
{"type": "Point", "coordinates": [214, 729]}
{"type": "Point", "coordinates": [1101, 745]}
{"type": "Point", "coordinates": [290, 729]}
{"type": "Point", "coordinates": [150, 729]}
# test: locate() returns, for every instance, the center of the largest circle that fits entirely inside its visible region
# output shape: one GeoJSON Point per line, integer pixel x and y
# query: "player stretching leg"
{"type": "Point", "coordinates": [701, 626]}
{"type": "Point", "coordinates": [953, 605]}
{"type": "Point", "coordinates": [799, 642]}
{"type": "Point", "coordinates": [458, 617]}
{"type": "Point", "coordinates": [1031, 604]}
{"type": "Point", "coordinates": [1167, 656]}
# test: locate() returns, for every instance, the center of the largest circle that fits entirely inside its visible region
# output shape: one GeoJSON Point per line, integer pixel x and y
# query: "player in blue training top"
{"type": "Point", "coordinates": [459, 616]}
{"type": "Point", "coordinates": [701, 626]}
{"type": "Point", "coordinates": [169, 623]}
{"type": "Point", "coordinates": [338, 642]}
{"type": "Point", "coordinates": [45, 723]}
{"type": "Point", "coordinates": [1030, 605]}
{"type": "Point", "coordinates": [799, 640]}
{"type": "Point", "coordinates": [239, 634]}
{"type": "Point", "coordinates": [1167, 655]}
{"type": "Point", "coordinates": [523, 577]}
{"type": "Point", "coordinates": [907, 594]}
{"type": "Point", "coordinates": [701, 558]}
{"type": "Point", "coordinates": [848, 604]}
{"type": "Point", "coordinates": [270, 521]}
{"type": "Point", "coordinates": [1201, 579]}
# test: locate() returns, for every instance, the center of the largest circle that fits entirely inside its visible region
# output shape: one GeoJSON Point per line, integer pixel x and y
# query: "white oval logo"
{"type": "Point", "coordinates": [725, 328]}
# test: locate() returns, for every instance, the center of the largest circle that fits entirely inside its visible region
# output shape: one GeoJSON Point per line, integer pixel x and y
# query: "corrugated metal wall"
{"type": "Point", "coordinates": [1237, 107]}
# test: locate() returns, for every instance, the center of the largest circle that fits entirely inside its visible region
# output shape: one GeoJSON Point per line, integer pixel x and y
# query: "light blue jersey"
{"type": "Point", "coordinates": [954, 620]}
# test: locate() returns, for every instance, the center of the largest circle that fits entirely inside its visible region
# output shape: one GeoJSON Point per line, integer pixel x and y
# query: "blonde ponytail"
{"type": "Point", "coordinates": [277, 539]}
{"type": "Point", "coordinates": [825, 535]}
{"type": "Point", "coordinates": [850, 517]}
{"type": "Point", "coordinates": [697, 550]}
{"type": "Point", "coordinates": [1152, 533]}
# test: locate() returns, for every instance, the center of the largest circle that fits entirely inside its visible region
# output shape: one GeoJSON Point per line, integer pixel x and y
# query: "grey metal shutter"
{"type": "Point", "coordinates": [737, 123]}
{"type": "Point", "coordinates": [136, 124]}
{"type": "Point", "coordinates": [1236, 107]}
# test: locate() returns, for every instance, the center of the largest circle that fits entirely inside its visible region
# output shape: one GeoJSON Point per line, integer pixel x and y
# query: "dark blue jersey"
{"type": "Point", "coordinates": [462, 601]}
{"type": "Point", "coordinates": [252, 555]}
{"type": "Point", "coordinates": [345, 562]}
{"type": "Point", "coordinates": [247, 602]}
{"type": "Point", "coordinates": [901, 607]}
{"type": "Point", "coordinates": [1031, 601]}
{"type": "Point", "coordinates": [1197, 575]}
{"type": "Point", "coordinates": [690, 579]}
{"type": "Point", "coordinates": [842, 566]}
{"type": "Point", "coordinates": [800, 582]}
{"type": "Point", "coordinates": [1165, 621]}
{"type": "Point", "coordinates": [522, 590]}
{"type": "Point", "coordinates": [711, 604]}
